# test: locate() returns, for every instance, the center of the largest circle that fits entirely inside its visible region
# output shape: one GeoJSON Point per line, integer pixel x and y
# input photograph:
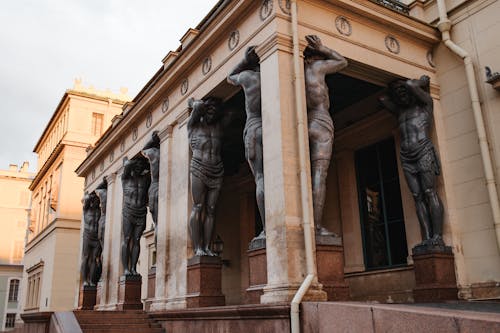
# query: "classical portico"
{"type": "Point", "coordinates": [380, 45]}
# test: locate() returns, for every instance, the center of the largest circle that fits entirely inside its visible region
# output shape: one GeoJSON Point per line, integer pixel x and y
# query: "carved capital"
{"type": "Point", "coordinates": [166, 133]}
{"type": "Point", "coordinates": [277, 42]}
{"type": "Point", "coordinates": [111, 178]}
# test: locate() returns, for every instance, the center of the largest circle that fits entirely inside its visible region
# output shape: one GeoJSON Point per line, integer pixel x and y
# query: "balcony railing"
{"type": "Point", "coordinates": [394, 5]}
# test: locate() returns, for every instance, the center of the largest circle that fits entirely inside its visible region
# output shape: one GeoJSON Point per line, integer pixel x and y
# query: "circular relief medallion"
{"type": "Point", "coordinates": [266, 9]}
{"type": "Point", "coordinates": [286, 6]}
{"type": "Point", "coordinates": [111, 156]}
{"type": "Point", "coordinates": [234, 39]}
{"type": "Point", "coordinates": [93, 174]}
{"type": "Point", "coordinates": [134, 134]}
{"type": "Point", "coordinates": [164, 105]}
{"type": "Point", "coordinates": [184, 86]}
{"type": "Point", "coordinates": [343, 26]}
{"type": "Point", "coordinates": [149, 120]}
{"type": "Point", "coordinates": [101, 167]}
{"type": "Point", "coordinates": [430, 59]}
{"type": "Point", "coordinates": [122, 146]}
{"type": "Point", "coordinates": [392, 44]}
{"type": "Point", "coordinates": [207, 65]}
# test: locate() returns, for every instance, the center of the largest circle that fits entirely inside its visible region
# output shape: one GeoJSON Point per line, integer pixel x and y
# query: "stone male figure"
{"type": "Point", "coordinates": [319, 61]}
{"type": "Point", "coordinates": [207, 170]}
{"type": "Point", "coordinates": [135, 183]}
{"type": "Point", "coordinates": [247, 75]}
{"type": "Point", "coordinates": [152, 152]}
{"type": "Point", "coordinates": [101, 191]}
{"type": "Point", "coordinates": [411, 102]}
{"type": "Point", "coordinates": [91, 247]}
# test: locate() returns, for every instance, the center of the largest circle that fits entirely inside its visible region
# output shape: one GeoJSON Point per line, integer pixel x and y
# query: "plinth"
{"type": "Point", "coordinates": [99, 294]}
{"type": "Point", "coordinates": [129, 292]}
{"type": "Point", "coordinates": [204, 284]}
{"type": "Point", "coordinates": [434, 273]}
{"type": "Point", "coordinates": [257, 270]}
{"type": "Point", "coordinates": [87, 297]}
{"type": "Point", "coordinates": [330, 266]}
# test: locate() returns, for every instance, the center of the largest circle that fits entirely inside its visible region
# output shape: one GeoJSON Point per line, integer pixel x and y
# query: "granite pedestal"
{"type": "Point", "coordinates": [330, 266]}
{"type": "Point", "coordinates": [129, 292]}
{"type": "Point", "coordinates": [434, 274]}
{"type": "Point", "coordinates": [204, 285]}
{"type": "Point", "coordinates": [257, 270]}
{"type": "Point", "coordinates": [87, 297]}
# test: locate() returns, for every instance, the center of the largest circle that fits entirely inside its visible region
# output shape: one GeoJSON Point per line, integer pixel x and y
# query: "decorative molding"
{"type": "Point", "coordinates": [394, 5]}
{"type": "Point", "coordinates": [122, 146]}
{"type": "Point", "coordinates": [206, 66]}
{"type": "Point", "coordinates": [165, 105]}
{"type": "Point", "coordinates": [430, 59]}
{"type": "Point", "coordinates": [184, 86]}
{"type": "Point", "coordinates": [285, 6]}
{"type": "Point", "coordinates": [343, 25]}
{"type": "Point", "coordinates": [266, 9]}
{"type": "Point", "coordinates": [166, 133]}
{"type": "Point", "coordinates": [135, 133]}
{"type": "Point", "coordinates": [233, 40]}
{"type": "Point", "coordinates": [392, 44]}
{"type": "Point", "coordinates": [492, 78]}
{"type": "Point", "coordinates": [101, 166]}
{"type": "Point", "coordinates": [112, 156]}
{"type": "Point", "coordinates": [149, 120]}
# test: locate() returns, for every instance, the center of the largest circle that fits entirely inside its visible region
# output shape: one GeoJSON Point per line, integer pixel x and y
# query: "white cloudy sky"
{"type": "Point", "coordinates": [45, 44]}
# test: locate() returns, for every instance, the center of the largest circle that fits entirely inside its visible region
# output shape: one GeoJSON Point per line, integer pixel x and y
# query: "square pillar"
{"type": "Point", "coordinates": [179, 202]}
{"type": "Point", "coordinates": [286, 265]}
{"type": "Point", "coordinates": [160, 282]}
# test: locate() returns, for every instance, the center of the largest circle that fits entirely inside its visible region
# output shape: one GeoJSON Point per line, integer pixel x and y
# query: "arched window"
{"type": "Point", "coordinates": [13, 290]}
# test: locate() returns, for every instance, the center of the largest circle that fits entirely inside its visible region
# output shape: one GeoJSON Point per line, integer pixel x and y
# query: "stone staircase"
{"type": "Point", "coordinates": [117, 322]}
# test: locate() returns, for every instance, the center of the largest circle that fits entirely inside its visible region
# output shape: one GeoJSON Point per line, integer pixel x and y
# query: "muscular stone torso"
{"type": "Point", "coordinates": [135, 191]}
{"type": "Point", "coordinates": [91, 217]}
{"type": "Point", "coordinates": [205, 143]}
{"type": "Point", "coordinates": [414, 123]}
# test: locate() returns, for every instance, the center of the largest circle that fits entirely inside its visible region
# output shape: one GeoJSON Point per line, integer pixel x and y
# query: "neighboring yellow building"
{"type": "Point", "coordinates": [14, 202]}
{"type": "Point", "coordinates": [51, 254]}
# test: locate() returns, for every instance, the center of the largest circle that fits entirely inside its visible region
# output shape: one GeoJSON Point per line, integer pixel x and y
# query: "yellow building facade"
{"type": "Point", "coordinates": [383, 41]}
{"type": "Point", "coordinates": [51, 255]}
{"type": "Point", "coordinates": [14, 205]}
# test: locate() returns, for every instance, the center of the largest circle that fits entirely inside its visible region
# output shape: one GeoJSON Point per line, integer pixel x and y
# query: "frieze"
{"type": "Point", "coordinates": [285, 6]}
{"type": "Point", "coordinates": [184, 86]}
{"type": "Point", "coordinates": [149, 120]}
{"type": "Point", "coordinates": [135, 132]}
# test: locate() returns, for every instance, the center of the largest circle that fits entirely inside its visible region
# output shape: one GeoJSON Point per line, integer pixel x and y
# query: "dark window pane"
{"type": "Point", "coordinates": [381, 209]}
{"type": "Point", "coordinates": [399, 249]}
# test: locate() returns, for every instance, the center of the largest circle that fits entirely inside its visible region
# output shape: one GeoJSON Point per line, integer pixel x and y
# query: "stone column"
{"type": "Point", "coordinates": [103, 287]}
{"type": "Point", "coordinates": [349, 208]}
{"type": "Point", "coordinates": [286, 265]}
{"type": "Point", "coordinates": [180, 201]}
{"type": "Point", "coordinates": [163, 220]}
{"type": "Point", "coordinates": [115, 269]}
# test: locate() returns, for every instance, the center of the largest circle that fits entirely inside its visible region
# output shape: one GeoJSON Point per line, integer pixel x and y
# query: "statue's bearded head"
{"type": "Point", "coordinates": [212, 106]}
{"type": "Point", "coordinates": [400, 93]}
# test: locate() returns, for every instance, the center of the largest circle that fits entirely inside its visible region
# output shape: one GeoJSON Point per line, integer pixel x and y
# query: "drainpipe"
{"type": "Point", "coordinates": [444, 26]}
{"type": "Point", "coordinates": [304, 185]}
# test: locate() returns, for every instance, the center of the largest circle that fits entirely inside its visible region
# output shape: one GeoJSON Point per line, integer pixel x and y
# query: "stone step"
{"type": "Point", "coordinates": [135, 326]}
{"type": "Point", "coordinates": [120, 330]}
{"type": "Point", "coordinates": [115, 320]}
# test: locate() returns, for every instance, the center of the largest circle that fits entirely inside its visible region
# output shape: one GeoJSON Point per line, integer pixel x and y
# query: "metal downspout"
{"type": "Point", "coordinates": [444, 26]}
{"type": "Point", "coordinates": [303, 160]}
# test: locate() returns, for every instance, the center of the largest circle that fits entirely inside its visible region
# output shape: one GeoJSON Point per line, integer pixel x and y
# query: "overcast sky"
{"type": "Point", "coordinates": [45, 44]}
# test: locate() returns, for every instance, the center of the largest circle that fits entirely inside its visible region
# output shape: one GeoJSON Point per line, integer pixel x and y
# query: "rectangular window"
{"type": "Point", "coordinates": [34, 283]}
{"type": "Point", "coordinates": [381, 209]}
{"type": "Point", "coordinates": [97, 121]}
{"type": "Point", "coordinates": [10, 320]}
{"type": "Point", "coordinates": [13, 290]}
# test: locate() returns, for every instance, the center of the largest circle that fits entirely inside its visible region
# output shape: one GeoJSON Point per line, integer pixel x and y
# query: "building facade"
{"type": "Point", "coordinates": [51, 254]}
{"type": "Point", "coordinates": [14, 204]}
{"type": "Point", "coordinates": [368, 203]}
